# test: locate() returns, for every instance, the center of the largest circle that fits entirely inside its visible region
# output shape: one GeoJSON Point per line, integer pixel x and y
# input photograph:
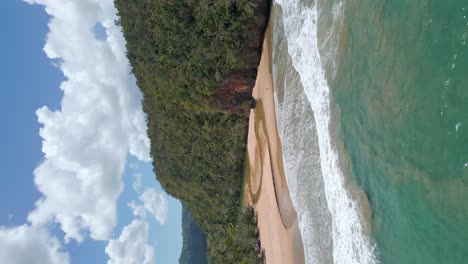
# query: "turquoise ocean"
{"type": "Point", "coordinates": [372, 108]}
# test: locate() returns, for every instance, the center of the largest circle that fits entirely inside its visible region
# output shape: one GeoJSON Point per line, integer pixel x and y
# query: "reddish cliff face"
{"type": "Point", "coordinates": [235, 93]}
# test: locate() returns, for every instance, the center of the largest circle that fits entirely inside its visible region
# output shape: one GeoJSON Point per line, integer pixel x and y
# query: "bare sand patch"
{"type": "Point", "coordinates": [266, 187]}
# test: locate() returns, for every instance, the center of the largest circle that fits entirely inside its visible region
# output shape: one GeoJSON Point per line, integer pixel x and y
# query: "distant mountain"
{"type": "Point", "coordinates": [194, 245]}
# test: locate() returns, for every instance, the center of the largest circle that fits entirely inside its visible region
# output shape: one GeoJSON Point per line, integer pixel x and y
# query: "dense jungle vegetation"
{"type": "Point", "coordinates": [181, 51]}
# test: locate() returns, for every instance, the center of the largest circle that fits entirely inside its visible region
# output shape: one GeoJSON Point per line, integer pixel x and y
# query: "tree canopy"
{"type": "Point", "coordinates": [181, 52]}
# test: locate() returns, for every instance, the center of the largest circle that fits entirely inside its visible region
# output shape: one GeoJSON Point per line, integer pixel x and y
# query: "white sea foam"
{"type": "Point", "coordinates": [350, 244]}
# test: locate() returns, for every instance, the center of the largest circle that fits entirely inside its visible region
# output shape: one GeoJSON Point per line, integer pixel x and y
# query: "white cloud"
{"type": "Point", "coordinates": [100, 121]}
{"type": "Point", "coordinates": [138, 176]}
{"type": "Point", "coordinates": [86, 143]}
{"type": "Point", "coordinates": [156, 203]}
{"type": "Point", "coordinates": [137, 184]}
{"type": "Point", "coordinates": [132, 245]}
{"type": "Point", "coordinates": [137, 209]}
{"type": "Point", "coordinates": [28, 244]}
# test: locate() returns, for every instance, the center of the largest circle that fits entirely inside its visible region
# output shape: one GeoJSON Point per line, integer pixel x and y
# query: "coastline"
{"type": "Point", "coordinates": [266, 187]}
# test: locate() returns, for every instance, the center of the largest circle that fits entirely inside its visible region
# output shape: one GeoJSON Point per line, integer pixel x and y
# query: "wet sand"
{"type": "Point", "coordinates": [266, 187]}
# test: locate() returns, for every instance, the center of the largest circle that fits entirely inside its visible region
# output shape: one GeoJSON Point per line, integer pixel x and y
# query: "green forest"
{"type": "Point", "coordinates": [195, 62]}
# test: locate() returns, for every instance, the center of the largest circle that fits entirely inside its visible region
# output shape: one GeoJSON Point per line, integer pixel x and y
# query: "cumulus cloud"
{"type": "Point", "coordinates": [137, 184]}
{"type": "Point", "coordinates": [131, 247]}
{"type": "Point", "coordinates": [100, 121]}
{"type": "Point", "coordinates": [156, 204]}
{"type": "Point", "coordinates": [28, 244]}
{"type": "Point", "coordinates": [137, 175]}
{"type": "Point", "coordinates": [86, 143]}
{"type": "Point", "coordinates": [137, 209]}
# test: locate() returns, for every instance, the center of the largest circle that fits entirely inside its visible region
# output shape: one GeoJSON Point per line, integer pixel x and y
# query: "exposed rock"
{"type": "Point", "coordinates": [235, 93]}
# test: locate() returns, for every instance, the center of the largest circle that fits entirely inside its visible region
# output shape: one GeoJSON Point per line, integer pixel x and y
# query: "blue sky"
{"type": "Point", "coordinates": [31, 81]}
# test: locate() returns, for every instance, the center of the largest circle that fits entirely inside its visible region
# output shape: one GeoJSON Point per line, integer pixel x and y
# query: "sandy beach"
{"type": "Point", "coordinates": [266, 187]}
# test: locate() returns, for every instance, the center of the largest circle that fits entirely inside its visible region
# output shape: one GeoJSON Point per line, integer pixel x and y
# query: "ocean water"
{"type": "Point", "coordinates": [372, 108]}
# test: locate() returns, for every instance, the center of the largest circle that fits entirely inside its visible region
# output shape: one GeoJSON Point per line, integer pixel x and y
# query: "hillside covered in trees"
{"type": "Point", "coordinates": [196, 63]}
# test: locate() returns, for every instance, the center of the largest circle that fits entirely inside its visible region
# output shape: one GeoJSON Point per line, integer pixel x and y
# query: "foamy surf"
{"type": "Point", "coordinates": [350, 243]}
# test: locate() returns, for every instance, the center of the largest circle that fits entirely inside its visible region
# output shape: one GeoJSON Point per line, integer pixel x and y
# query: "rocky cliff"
{"type": "Point", "coordinates": [235, 93]}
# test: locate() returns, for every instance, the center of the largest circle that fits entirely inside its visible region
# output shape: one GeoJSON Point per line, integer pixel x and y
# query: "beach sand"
{"type": "Point", "coordinates": [266, 187]}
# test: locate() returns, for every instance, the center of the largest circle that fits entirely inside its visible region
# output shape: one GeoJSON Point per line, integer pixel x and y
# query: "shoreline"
{"type": "Point", "coordinates": [267, 187]}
